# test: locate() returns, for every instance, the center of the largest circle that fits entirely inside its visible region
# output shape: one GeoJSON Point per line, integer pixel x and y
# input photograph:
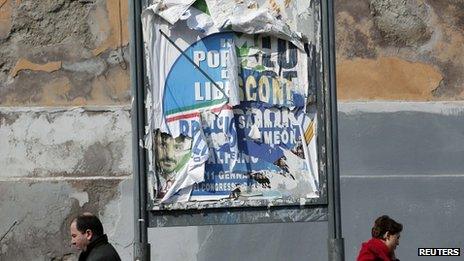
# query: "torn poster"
{"type": "Point", "coordinates": [259, 16]}
{"type": "Point", "coordinates": [170, 10]}
{"type": "Point", "coordinates": [230, 117]}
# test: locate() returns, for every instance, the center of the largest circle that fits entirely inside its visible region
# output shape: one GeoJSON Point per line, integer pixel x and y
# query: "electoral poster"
{"type": "Point", "coordinates": [231, 112]}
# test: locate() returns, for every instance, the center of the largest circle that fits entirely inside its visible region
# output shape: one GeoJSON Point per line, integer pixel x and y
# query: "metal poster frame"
{"type": "Point", "coordinates": [324, 208]}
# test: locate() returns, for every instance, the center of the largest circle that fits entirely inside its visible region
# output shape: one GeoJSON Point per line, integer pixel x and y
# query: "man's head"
{"type": "Point", "coordinates": [84, 229]}
{"type": "Point", "coordinates": [171, 154]}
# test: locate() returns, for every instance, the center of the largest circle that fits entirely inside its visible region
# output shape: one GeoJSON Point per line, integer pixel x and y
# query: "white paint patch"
{"type": "Point", "coordinates": [82, 197]}
{"type": "Point", "coordinates": [37, 137]}
{"type": "Point", "coordinates": [94, 66]}
{"type": "Point", "coordinates": [450, 108]}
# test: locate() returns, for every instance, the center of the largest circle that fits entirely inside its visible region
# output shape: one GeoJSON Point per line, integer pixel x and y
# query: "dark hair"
{"type": "Point", "coordinates": [385, 224]}
{"type": "Point", "coordinates": [89, 221]}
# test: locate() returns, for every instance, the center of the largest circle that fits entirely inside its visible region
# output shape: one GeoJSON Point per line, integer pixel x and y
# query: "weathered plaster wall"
{"type": "Point", "coordinates": [81, 142]}
{"type": "Point", "coordinates": [65, 131]}
{"type": "Point", "coordinates": [400, 50]}
{"type": "Point", "coordinates": [400, 80]}
{"type": "Point", "coordinates": [64, 53]}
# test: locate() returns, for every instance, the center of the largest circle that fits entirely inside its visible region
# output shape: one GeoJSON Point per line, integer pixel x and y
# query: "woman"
{"type": "Point", "coordinates": [385, 239]}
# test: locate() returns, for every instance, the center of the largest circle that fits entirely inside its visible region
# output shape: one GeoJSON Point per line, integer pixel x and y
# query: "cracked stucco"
{"type": "Point", "coordinates": [80, 142]}
{"type": "Point", "coordinates": [59, 160]}
{"type": "Point", "coordinates": [419, 33]}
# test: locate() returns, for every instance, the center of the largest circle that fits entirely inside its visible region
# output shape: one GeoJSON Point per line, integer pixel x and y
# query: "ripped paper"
{"type": "Point", "coordinates": [254, 17]}
{"type": "Point", "coordinates": [170, 10]}
{"type": "Point", "coordinates": [228, 112]}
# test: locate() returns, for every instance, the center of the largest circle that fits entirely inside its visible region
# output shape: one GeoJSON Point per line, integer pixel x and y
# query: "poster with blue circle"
{"type": "Point", "coordinates": [246, 95]}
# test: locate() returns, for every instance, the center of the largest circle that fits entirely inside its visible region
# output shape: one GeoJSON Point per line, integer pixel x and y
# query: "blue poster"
{"type": "Point", "coordinates": [234, 119]}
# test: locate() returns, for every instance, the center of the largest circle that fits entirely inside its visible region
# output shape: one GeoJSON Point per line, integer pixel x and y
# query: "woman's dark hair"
{"type": "Point", "coordinates": [385, 224]}
{"type": "Point", "coordinates": [89, 221]}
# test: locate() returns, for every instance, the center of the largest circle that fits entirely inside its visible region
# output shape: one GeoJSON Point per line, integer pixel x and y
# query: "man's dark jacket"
{"type": "Point", "coordinates": [99, 250]}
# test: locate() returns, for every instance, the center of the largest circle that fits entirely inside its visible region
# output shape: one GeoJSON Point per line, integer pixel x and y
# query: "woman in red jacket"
{"type": "Point", "coordinates": [385, 239]}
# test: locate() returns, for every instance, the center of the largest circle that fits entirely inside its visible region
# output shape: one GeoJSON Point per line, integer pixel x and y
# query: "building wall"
{"type": "Point", "coordinates": [65, 130]}
{"type": "Point", "coordinates": [65, 135]}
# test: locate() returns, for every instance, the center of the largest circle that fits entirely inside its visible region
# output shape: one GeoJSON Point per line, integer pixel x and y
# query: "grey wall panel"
{"type": "Point", "coordinates": [174, 243]}
{"type": "Point", "coordinates": [401, 143]}
{"type": "Point", "coordinates": [297, 241]}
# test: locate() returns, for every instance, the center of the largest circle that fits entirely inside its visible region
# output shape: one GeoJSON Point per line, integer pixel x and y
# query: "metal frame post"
{"type": "Point", "coordinates": [335, 239]}
{"type": "Point", "coordinates": [141, 246]}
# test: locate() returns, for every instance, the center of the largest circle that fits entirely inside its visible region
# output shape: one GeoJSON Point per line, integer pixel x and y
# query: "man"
{"type": "Point", "coordinates": [87, 236]}
{"type": "Point", "coordinates": [171, 156]}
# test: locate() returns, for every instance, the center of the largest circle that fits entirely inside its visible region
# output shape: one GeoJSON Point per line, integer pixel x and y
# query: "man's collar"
{"type": "Point", "coordinates": [103, 239]}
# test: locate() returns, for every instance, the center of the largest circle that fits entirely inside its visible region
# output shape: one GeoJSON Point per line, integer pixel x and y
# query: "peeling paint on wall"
{"type": "Point", "coordinates": [82, 197]}
{"type": "Point", "coordinates": [116, 28]}
{"type": "Point", "coordinates": [31, 54]}
{"type": "Point", "coordinates": [419, 31]}
{"type": "Point", "coordinates": [74, 84]}
{"type": "Point", "coordinates": [58, 160]}
{"type": "Point", "coordinates": [84, 143]}
{"type": "Point", "coordinates": [40, 23]}
{"type": "Point", "coordinates": [354, 37]}
{"type": "Point", "coordinates": [111, 88]}
{"type": "Point", "coordinates": [5, 17]}
{"type": "Point", "coordinates": [55, 92]}
{"type": "Point", "coordinates": [23, 64]}
{"type": "Point", "coordinates": [401, 23]}
{"type": "Point", "coordinates": [386, 78]}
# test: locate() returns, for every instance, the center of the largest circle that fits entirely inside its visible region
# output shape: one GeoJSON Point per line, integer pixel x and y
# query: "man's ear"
{"type": "Point", "coordinates": [386, 235]}
{"type": "Point", "coordinates": [88, 234]}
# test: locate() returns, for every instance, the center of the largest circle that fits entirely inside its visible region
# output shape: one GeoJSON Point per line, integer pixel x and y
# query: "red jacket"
{"type": "Point", "coordinates": [375, 250]}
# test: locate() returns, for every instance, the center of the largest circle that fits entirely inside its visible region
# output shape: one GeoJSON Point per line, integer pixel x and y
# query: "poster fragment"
{"type": "Point", "coordinates": [230, 115]}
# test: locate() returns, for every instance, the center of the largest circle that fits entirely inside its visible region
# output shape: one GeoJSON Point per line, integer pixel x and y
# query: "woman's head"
{"type": "Point", "coordinates": [387, 230]}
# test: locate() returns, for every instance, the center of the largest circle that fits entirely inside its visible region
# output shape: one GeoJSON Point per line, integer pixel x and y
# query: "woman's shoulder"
{"type": "Point", "coordinates": [373, 250]}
